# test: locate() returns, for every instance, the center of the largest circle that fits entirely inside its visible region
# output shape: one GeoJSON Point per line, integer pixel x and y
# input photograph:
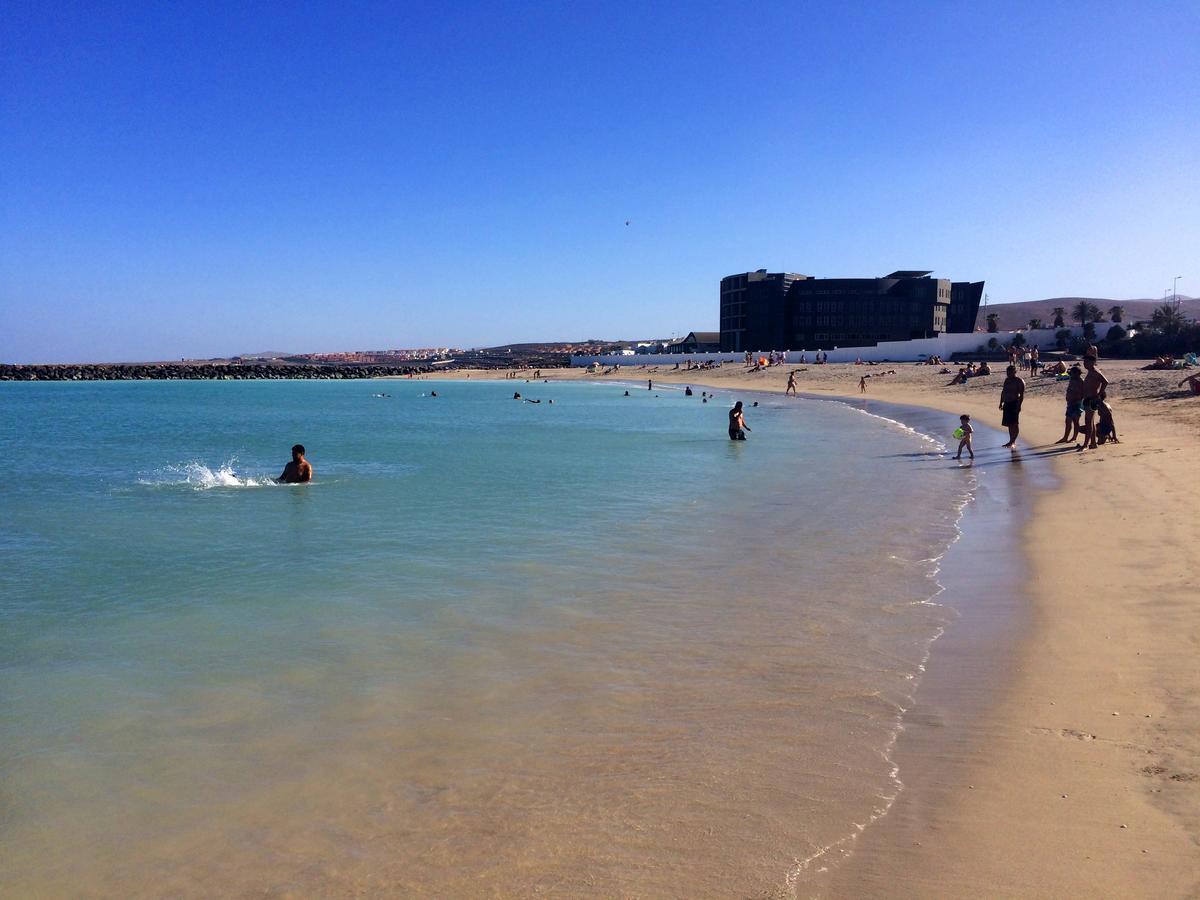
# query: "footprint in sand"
{"type": "Point", "coordinates": [1066, 733]}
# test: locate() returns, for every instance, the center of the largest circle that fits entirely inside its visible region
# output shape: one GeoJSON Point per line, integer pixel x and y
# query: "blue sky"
{"type": "Point", "coordinates": [178, 181]}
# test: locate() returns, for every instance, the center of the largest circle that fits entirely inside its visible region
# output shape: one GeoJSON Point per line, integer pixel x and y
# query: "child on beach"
{"type": "Point", "coordinates": [967, 431]}
{"type": "Point", "coordinates": [1074, 406]}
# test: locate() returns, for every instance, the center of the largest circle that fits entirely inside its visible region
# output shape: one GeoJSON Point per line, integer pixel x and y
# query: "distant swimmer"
{"type": "Point", "coordinates": [687, 391]}
{"type": "Point", "coordinates": [737, 423]}
{"type": "Point", "coordinates": [627, 393]}
{"type": "Point", "coordinates": [299, 470]}
{"type": "Point", "coordinates": [433, 393]}
{"type": "Point", "coordinates": [649, 384]}
{"type": "Point", "coordinates": [516, 396]}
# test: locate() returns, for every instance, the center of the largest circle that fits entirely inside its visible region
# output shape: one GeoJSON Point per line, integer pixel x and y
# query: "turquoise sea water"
{"type": "Point", "coordinates": [496, 648]}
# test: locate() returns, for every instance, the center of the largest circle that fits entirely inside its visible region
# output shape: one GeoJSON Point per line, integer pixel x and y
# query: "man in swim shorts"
{"type": "Point", "coordinates": [1012, 394]}
{"type": "Point", "coordinates": [1074, 407]}
{"type": "Point", "coordinates": [737, 423]}
{"type": "Point", "coordinates": [1094, 384]}
{"type": "Point", "coordinates": [299, 470]}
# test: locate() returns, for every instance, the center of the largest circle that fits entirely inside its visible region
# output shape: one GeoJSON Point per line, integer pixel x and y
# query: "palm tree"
{"type": "Point", "coordinates": [1061, 337]}
{"type": "Point", "coordinates": [993, 322]}
{"type": "Point", "coordinates": [1116, 313]}
{"type": "Point", "coordinates": [1084, 312]}
{"type": "Point", "coordinates": [1035, 324]}
{"type": "Point", "coordinates": [1059, 312]}
{"type": "Point", "coordinates": [1167, 319]}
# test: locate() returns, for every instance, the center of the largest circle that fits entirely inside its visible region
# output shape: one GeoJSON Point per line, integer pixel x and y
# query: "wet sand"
{"type": "Point", "coordinates": [1076, 771]}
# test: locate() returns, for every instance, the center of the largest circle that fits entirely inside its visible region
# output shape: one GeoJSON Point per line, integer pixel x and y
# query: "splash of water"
{"type": "Point", "coordinates": [200, 477]}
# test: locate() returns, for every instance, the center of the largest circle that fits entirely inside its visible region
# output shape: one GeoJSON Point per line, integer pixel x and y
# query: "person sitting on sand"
{"type": "Point", "coordinates": [299, 470]}
{"type": "Point", "coordinates": [965, 441]}
{"type": "Point", "coordinates": [737, 423]}
{"type": "Point", "coordinates": [1192, 381]}
{"type": "Point", "coordinates": [984, 369]}
{"type": "Point", "coordinates": [1074, 406]}
{"type": "Point", "coordinates": [1012, 395]}
{"type": "Point", "coordinates": [1106, 428]}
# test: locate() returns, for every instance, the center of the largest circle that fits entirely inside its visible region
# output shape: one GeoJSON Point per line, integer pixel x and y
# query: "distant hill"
{"type": "Point", "coordinates": [1017, 315]}
{"type": "Point", "coordinates": [266, 354]}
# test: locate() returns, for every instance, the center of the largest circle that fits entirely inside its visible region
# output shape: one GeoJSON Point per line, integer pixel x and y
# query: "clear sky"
{"type": "Point", "coordinates": [192, 180]}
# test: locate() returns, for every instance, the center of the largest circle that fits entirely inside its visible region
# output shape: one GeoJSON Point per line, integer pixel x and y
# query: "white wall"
{"type": "Point", "coordinates": [944, 345]}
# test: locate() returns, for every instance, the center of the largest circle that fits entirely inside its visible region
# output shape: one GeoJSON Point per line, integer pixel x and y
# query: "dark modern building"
{"type": "Point", "coordinates": [786, 311]}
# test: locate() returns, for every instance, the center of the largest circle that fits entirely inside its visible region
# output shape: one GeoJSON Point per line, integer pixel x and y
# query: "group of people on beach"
{"type": "Point", "coordinates": [1086, 399]}
{"type": "Point", "coordinates": [1028, 358]}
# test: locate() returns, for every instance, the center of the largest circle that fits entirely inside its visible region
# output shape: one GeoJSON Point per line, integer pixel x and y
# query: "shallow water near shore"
{"type": "Point", "coordinates": [588, 647]}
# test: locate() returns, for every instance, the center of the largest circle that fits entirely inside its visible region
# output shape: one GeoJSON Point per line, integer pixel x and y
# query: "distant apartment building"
{"type": "Point", "coordinates": [696, 342]}
{"type": "Point", "coordinates": [787, 311]}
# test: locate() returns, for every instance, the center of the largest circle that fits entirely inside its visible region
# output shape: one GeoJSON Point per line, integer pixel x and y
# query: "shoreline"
{"type": "Point", "coordinates": [1100, 701]}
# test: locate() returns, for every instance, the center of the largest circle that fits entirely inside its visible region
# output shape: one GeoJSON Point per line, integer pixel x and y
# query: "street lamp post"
{"type": "Point", "coordinates": [1175, 291]}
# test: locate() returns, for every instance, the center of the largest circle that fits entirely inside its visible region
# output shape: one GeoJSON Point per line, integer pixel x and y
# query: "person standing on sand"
{"type": "Point", "coordinates": [737, 423]}
{"type": "Point", "coordinates": [299, 470]}
{"type": "Point", "coordinates": [862, 385]}
{"type": "Point", "coordinates": [1094, 384]}
{"type": "Point", "coordinates": [1012, 395]}
{"type": "Point", "coordinates": [1074, 406]}
{"type": "Point", "coordinates": [791, 387]}
{"type": "Point", "coordinates": [649, 384]}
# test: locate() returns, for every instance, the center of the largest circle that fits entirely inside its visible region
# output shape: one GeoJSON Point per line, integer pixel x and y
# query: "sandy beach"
{"type": "Point", "coordinates": [1075, 772]}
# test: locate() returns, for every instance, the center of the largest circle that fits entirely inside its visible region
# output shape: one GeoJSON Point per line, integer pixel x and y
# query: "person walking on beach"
{"type": "Point", "coordinates": [1074, 406]}
{"type": "Point", "coordinates": [299, 470]}
{"type": "Point", "coordinates": [737, 423]}
{"type": "Point", "coordinates": [965, 440]}
{"type": "Point", "coordinates": [1012, 395]}
{"type": "Point", "coordinates": [791, 386]}
{"type": "Point", "coordinates": [1094, 384]}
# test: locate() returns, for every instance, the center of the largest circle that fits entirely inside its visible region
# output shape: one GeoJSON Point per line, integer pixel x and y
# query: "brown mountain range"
{"type": "Point", "coordinates": [1017, 315]}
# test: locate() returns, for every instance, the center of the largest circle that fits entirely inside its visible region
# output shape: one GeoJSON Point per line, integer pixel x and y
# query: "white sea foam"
{"type": "Point", "coordinates": [200, 477]}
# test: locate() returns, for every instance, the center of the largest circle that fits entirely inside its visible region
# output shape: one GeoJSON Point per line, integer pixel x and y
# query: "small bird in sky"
{"type": "Point", "coordinates": [626, 221]}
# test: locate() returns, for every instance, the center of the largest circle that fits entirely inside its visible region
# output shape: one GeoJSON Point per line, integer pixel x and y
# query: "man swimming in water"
{"type": "Point", "coordinates": [299, 470]}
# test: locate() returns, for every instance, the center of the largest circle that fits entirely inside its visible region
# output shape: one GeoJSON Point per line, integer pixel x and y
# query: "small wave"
{"type": "Point", "coordinates": [200, 477]}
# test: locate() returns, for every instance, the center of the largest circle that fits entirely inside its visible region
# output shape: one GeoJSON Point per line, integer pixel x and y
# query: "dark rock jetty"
{"type": "Point", "coordinates": [198, 372]}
